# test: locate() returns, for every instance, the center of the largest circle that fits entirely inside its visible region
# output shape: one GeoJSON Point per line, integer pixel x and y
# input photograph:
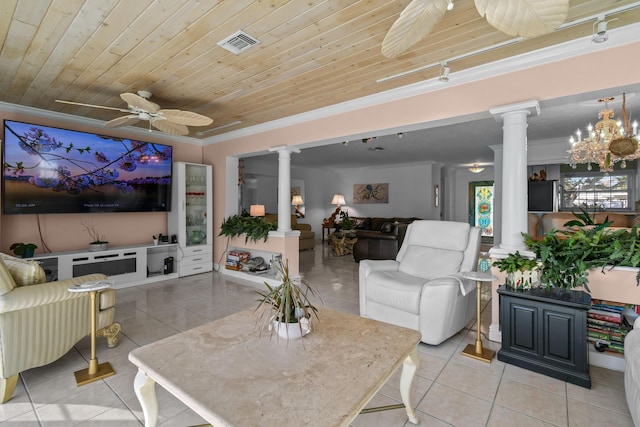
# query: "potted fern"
{"type": "Point", "coordinates": [253, 228]}
{"type": "Point", "coordinates": [287, 309]}
{"type": "Point", "coordinates": [522, 272]}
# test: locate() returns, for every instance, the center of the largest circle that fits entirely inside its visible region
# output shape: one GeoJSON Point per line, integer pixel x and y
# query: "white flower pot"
{"type": "Point", "coordinates": [96, 247]}
{"type": "Point", "coordinates": [292, 331]}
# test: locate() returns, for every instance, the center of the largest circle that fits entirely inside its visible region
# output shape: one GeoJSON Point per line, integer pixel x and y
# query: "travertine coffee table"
{"type": "Point", "coordinates": [231, 376]}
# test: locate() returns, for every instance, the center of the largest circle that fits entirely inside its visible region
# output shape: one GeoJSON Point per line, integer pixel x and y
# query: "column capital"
{"type": "Point", "coordinates": [528, 107]}
{"type": "Point", "coordinates": [284, 148]}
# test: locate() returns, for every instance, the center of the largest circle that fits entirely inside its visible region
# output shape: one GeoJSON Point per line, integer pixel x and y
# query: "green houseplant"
{"type": "Point", "coordinates": [24, 250]}
{"type": "Point", "coordinates": [522, 272]}
{"type": "Point", "coordinates": [287, 305]}
{"type": "Point", "coordinates": [346, 223]}
{"type": "Point", "coordinates": [567, 256]}
{"type": "Point", "coordinates": [253, 228]}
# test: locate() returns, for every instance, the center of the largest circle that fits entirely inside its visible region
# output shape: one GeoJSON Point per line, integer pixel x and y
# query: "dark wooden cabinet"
{"type": "Point", "coordinates": [546, 332]}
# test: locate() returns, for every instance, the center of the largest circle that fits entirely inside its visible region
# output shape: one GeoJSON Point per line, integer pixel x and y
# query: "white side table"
{"type": "Point", "coordinates": [95, 371]}
{"type": "Point", "coordinates": [477, 351]}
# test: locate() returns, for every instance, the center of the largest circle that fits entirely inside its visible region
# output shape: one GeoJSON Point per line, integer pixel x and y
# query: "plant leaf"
{"type": "Point", "coordinates": [417, 20]}
{"type": "Point", "coordinates": [526, 18]}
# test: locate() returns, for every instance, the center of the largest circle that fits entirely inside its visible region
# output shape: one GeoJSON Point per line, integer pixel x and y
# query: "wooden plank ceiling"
{"type": "Point", "coordinates": [312, 53]}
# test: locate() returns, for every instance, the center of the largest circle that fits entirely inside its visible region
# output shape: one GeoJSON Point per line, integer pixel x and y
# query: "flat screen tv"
{"type": "Point", "coordinates": [543, 196]}
{"type": "Point", "coordinates": [53, 170]}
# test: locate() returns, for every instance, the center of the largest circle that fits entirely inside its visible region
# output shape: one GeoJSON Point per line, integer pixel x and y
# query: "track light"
{"type": "Point", "coordinates": [600, 30]}
{"type": "Point", "coordinates": [449, 4]}
{"type": "Point", "coordinates": [444, 72]}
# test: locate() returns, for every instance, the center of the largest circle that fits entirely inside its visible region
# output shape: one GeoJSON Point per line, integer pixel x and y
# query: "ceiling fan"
{"type": "Point", "coordinates": [173, 122]}
{"type": "Point", "coordinates": [526, 18]}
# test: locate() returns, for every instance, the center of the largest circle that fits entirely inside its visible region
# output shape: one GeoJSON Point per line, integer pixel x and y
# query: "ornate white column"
{"type": "Point", "coordinates": [514, 172]}
{"type": "Point", "coordinates": [511, 193]}
{"type": "Point", "coordinates": [284, 186]}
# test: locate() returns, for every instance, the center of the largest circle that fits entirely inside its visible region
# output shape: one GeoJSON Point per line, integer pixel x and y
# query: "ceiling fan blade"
{"type": "Point", "coordinates": [139, 102]}
{"type": "Point", "coordinates": [526, 18]}
{"type": "Point", "coordinates": [188, 118]}
{"type": "Point", "coordinates": [169, 127]}
{"type": "Point", "coordinates": [91, 105]}
{"type": "Point", "coordinates": [122, 121]}
{"type": "Point", "coordinates": [417, 20]}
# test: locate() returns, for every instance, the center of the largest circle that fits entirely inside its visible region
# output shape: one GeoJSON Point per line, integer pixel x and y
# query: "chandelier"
{"type": "Point", "coordinates": [606, 143]}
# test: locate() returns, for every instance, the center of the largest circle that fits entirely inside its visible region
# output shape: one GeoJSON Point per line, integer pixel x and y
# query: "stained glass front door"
{"type": "Point", "coordinates": [481, 206]}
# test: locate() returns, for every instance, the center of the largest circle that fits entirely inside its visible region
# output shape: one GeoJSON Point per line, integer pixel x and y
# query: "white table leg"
{"type": "Point", "coordinates": [409, 368]}
{"type": "Point", "coordinates": [146, 392]}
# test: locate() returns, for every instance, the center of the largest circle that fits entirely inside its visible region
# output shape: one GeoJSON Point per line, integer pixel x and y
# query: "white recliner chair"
{"type": "Point", "coordinates": [423, 289]}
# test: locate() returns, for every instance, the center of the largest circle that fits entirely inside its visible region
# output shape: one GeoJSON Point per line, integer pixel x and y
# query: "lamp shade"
{"type": "Point", "coordinates": [338, 199]}
{"type": "Point", "coordinates": [256, 210]}
{"type": "Point", "coordinates": [297, 200]}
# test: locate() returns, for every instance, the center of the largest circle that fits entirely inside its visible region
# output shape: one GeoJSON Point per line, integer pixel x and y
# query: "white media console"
{"type": "Point", "coordinates": [125, 265]}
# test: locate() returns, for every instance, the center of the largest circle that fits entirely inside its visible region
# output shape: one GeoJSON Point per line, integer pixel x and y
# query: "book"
{"type": "Point", "coordinates": [605, 312]}
{"type": "Point", "coordinates": [607, 308]}
{"type": "Point", "coordinates": [613, 332]}
{"type": "Point", "coordinates": [595, 301]}
{"type": "Point", "coordinates": [611, 319]}
{"type": "Point", "coordinates": [606, 337]}
{"type": "Point", "coordinates": [594, 321]}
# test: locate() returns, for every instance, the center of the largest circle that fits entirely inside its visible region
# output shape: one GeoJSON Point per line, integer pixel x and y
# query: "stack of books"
{"type": "Point", "coordinates": [608, 324]}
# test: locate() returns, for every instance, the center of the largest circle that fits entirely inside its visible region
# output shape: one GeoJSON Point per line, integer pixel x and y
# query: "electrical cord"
{"type": "Point", "coordinates": [44, 244]}
{"type": "Point", "coordinates": [217, 270]}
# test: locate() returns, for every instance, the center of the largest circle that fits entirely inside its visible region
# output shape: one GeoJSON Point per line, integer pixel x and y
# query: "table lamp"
{"type": "Point", "coordinates": [256, 210]}
{"type": "Point", "coordinates": [338, 200]}
{"type": "Point", "coordinates": [297, 201]}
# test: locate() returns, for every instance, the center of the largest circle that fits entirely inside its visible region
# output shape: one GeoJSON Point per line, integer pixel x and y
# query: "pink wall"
{"type": "Point", "coordinates": [64, 232]}
{"type": "Point", "coordinates": [546, 81]}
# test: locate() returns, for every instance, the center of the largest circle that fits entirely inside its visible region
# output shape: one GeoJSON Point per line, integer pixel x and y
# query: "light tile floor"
{"type": "Point", "coordinates": [450, 389]}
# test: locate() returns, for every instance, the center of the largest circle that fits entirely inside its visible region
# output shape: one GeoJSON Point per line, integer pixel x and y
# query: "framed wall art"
{"type": "Point", "coordinates": [371, 193]}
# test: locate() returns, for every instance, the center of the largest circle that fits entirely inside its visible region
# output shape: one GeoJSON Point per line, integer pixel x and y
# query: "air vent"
{"type": "Point", "coordinates": [238, 42]}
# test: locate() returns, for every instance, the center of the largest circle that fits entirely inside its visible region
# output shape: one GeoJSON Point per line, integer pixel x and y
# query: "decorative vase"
{"type": "Point", "coordinates": [524, 280]}
{"type": "Point", "coordinates": [97, 247]}
{"type": "Point", "coordinates": [197, 236]}
{"type": "Point", "coordinates": [292, 331]}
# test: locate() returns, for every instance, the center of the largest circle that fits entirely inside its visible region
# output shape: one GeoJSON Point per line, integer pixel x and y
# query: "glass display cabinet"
{"type": "Point", "coordinates": [190, 216]}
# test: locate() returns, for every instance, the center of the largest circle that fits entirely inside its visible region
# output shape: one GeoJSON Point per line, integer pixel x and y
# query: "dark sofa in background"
{"type": "Point", "coordinates": [379, 238]}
